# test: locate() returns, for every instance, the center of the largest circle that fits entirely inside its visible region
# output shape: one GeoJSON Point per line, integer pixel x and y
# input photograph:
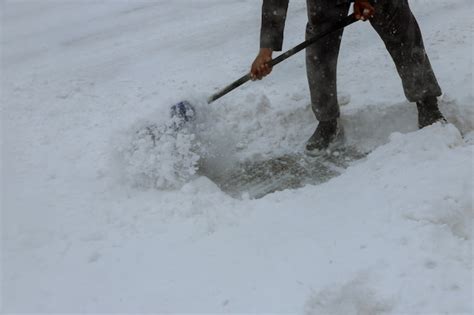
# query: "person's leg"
{"type": "Point", "coordinates": [321, 57]}
{"type": "Point", "coordinates": [321, 65]}
{"type": "Point", "coordinates": [398, 28]}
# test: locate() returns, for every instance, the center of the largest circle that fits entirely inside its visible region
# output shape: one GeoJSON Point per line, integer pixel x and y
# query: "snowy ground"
{"type": "Point", "coordinates": [391, 235]}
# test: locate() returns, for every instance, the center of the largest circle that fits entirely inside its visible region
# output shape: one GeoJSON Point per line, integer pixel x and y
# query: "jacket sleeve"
{"type": "Point", "coordinates": [273, 23]}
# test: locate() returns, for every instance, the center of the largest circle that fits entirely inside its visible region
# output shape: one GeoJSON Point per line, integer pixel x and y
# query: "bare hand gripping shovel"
{"type": "Point", "coordinates": [185, 112]}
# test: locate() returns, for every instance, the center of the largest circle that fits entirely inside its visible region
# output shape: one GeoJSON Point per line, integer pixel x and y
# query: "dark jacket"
{"type": "Point", "coordinates": [273, 23]}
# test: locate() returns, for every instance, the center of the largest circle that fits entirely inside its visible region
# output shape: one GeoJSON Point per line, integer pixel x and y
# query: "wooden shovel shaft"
{"type": "Point", "coordinates": [341, 24]}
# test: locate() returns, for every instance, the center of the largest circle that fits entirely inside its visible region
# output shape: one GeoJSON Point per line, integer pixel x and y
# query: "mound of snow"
{"type": "Point", "coordinates": [156, 156]}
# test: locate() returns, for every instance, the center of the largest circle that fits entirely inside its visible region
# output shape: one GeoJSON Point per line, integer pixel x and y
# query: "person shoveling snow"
{"type": "Point", "coordinates": [156, 150]}
{"type": "Point", "coordinates": [395, 24]}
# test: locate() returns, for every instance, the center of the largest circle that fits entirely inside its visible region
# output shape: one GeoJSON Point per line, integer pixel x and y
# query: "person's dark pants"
{"type": "Point", "coordinates": [399, 30]}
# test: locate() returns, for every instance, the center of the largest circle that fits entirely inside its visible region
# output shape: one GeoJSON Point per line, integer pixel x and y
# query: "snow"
{"type": "Point", "coordinates": [85, 228]}
{"type": "Point", "coordinates": [158, 156]}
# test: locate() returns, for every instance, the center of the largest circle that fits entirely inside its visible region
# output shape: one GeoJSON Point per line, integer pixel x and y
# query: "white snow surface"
{"type": "Point", "coordinates": [84, 231]}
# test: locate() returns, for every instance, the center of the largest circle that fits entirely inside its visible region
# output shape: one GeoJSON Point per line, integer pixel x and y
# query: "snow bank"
{"type": "Point", "coordinates": [433, 221]}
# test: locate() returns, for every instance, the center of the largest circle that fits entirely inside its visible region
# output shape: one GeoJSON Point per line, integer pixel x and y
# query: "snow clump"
{"type": "Point", "coordinates": [158, 156]}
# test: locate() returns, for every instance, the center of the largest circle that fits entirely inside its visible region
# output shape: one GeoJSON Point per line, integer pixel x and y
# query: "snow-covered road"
{"type": "Point", "coordinates": [391, 235]}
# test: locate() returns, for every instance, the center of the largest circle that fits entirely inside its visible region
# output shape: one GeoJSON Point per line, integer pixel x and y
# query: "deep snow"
{"type": "Point", "coordinates": [82, 231]}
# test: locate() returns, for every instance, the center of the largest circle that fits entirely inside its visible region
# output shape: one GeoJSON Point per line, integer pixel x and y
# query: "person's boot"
{"type": "Point", "coordinates": [428, 112]}
{"type": "Point", "coordinates": [327, 133]}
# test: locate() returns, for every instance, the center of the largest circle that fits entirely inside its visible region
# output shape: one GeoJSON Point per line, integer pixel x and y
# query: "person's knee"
{"type": "Point", "coordinates": [390, 12]}
{"type": "Point", "coordinates": [320, 16]}
{"type": "Point", "coordinates": [390, 6]}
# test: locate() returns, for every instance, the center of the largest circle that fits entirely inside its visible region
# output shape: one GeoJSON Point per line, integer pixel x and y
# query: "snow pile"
{"type": "Point", "coordinates": [157, 156]}
{"type": "Point", "coordinates": [426, 228]}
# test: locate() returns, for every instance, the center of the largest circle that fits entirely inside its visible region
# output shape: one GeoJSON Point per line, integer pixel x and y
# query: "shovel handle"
{"type": "Point", "coordinates": [339, 25]}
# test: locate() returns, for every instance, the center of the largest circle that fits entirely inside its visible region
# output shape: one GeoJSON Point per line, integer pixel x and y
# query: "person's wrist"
{"type": "Point", "coordinates": [266, 51]}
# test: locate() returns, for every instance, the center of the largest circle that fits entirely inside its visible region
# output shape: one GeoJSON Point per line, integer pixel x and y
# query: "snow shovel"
{"type": "Point", "coordinates": [185, 112]}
